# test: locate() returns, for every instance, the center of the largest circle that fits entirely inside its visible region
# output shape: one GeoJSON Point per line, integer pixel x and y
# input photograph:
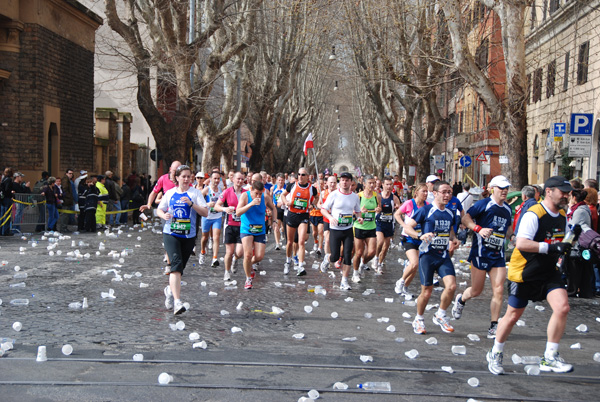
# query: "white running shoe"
{"type": "Point", "coordinates": [286, 268]}
{"type": "Point", "coordinates": [324, 265]}
{"type": "Point", "coordinates": [375, 263]}
{"type": "Point", "coordinates": [215, 262]}
{"type": "Point", "coordinates": [555, 364]}
{"type": "Point", "coordinates": [344, 285]}
{"type": "Point", "coordinates": [179, 307]}
{"type": "Point", "coordinates": [399, 286]}
{"type": "Point", "coordinates": [168, 297]}
{"type": "Point", "coordinates": [201, 259]}
{"type": "Point", "coordinates": [355, 277]}
{"type": "Point", "coordinates": [210, 243]}
{"type": "Point", "coordinates": [227, 276]}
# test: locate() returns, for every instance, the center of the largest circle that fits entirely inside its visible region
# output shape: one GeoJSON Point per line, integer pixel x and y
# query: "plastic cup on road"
{"type": "Point", "coordinates": [532, 369]}
{"type": "Point", "coordinates": [164, 378]}
{"type": "Point", "coordinates": [313, 394]}
{"type": "Point", "coordinates": [138, 357]}
{"type": "Point", "coordinates": [17, 326]}
{"type": "Point", "coordinates": [67, 350]}
{"type": "Point", "coordinates": [41, 354]}
{"type": "Point", "coordinates": [473, 381]}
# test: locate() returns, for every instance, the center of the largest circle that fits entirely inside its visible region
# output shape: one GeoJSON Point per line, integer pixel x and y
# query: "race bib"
{"type": "Point", "coordinates": [181, 226]}
{"type": "Point", "coordinates": [495, 241]}
{"type": "Point", "coordinates": [386, 217]}
{"type": "Point", "coordinates": [345, 220]}
{"type": "Point", "coordinates": [440, 241]}
{"type": "Point", "coordinates": [256, 229]}
{"type": "Point", "coordinates": [300, 203]}
{"type": "Point", "coordinates": [368, 216]}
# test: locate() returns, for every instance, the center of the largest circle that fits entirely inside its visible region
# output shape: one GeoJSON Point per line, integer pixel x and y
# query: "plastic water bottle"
{"type": "Point", "coordinates": [375, 386]}
{"type": "Point", "coordinates": [19, 302]}
{"type": "Point", "coordinates": [424, 246]}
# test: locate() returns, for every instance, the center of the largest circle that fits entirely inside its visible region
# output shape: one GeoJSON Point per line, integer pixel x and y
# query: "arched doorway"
{"type": "Point", "coordinates": [343, 168]}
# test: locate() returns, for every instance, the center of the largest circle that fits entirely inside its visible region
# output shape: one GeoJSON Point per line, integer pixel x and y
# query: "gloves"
{"type": "Point", "coordinates": [559, 248]}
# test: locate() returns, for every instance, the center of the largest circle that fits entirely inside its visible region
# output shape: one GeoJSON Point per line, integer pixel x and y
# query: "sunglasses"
{"type": "Point", "coordinates": [302, 174]}
{"type": "Point", "coordinates": [182, 167]}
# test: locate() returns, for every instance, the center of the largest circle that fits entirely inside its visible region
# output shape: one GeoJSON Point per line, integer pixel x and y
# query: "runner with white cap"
{"type": "Point", "coordinates": [429, 181]}
{"type": "Point", "coordinates": [490, 219]}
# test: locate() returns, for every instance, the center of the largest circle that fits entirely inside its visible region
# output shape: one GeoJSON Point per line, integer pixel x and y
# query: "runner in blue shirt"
{"type": "Point", "coordinates": [438, 240]}
{"type": "Point", "coordinates": [490, 219]}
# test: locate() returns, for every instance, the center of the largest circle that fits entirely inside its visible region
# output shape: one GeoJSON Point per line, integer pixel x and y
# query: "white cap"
{"type": "Point", "coordinates": [499, 181]}
{"type": "Point", "coordinates": [431, 178]}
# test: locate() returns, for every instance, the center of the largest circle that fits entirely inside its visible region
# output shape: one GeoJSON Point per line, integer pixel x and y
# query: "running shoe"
{"type": "Point", "coordinates": [355, 277]}
{"type": "Point", "coordinates": [179, 307]}
{"type": "Point", "coordinates": [338, 263]}
{"type": "Point", "coordinates": [227, 276]}
{"type": "Point", "coordinates": [492, 331]}
{"type": "Point", "coordinates": [296, 260]}
{"type": "Point", "coordinates": [286, 268]}
{"type": "Point", "coordinates": [248, 284]}
{"type": "Point", "coordinates": [399, 286]}
{"type": "Point", "coordinates": [362, 268]}
{"type": "Point", "coordinates": [379, 269]}
{"type": "Point", "coordinates": [215, 262]}
{"type": "Point", "coordinates": [375, 263]}
{"type": "Point", "coordinates": [168, 297]}
{"type": "Point", "coordinates": [325, 265]}
{"type": "Point", "coordinates": [344, 285]}
{"type": "Point", "coordinates": [555, 364]}
{"type": "Point", "coordinates": [277, 247]}
{"type": "Point", "coordinates": [319, 253]}
{"type": "Point", "coordinates": [315, 247]}
{"type": "Point", "coordinates": [458, 307]}
{"type": "Point", "coordinates": [419, 326]}
{"type": "Point", "coordinates": [301, 271]}
{"type": "Point", "coordinates": [201, 259]}
{"type": "Point", "coordinates": [442, 321]}
{"type": "Point", "coordinates": [495, 362]}
{"type": "Point", "coordinates": [252, 273]}
{"type": "Point", "coordinates": [255, 267]}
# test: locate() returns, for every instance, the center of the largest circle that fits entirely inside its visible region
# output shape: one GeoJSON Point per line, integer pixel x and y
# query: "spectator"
{"type": "Point", "coordinates": [137, 200]}
{"type": "Point", "coordinates": [465, 197]}
{"type": "Point", "coordinates": [131, 179]}
{"type": "Point", "coordinates": [37, 189]}
{"type": "Point", "coordinates": [19, 188]}
{"type": "Point", "coordinates": [6, 202]}
{"type": "Point", "coordinates": [49, 193]}
{"type": "Point", "coordinates": [592, 201]}
{"type": "Point", "coordinates": [101, 208]}
{"type": "Point", "coordinates": [125, 199]}
{"type": "Point", "coordinates": [576, 184]}
{"type": "Point", "coordinates": [114, 195]}
{"type": "Point", "coordinates": [591, 183]}
{"type": "Point", "coordinates": [68, 204]}
{"type": "Point", "coordinates": [528, 196]}
{"type": "Point", "coordinates": [580, 275]}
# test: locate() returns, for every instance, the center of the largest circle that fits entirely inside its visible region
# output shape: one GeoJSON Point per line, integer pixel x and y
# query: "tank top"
{"type": "Point", "coordinates": [213, 196]}
{"type": "Point", "coordinates": [301, 198]}
{"type": "Point", "coordinates": [324, 195]}
{"type": "Point", "coordinates": [368, 217]}
{"type": "Point", "coordinates": [253, 220]}
{"type": "Point", "coordinates": [387, 210]}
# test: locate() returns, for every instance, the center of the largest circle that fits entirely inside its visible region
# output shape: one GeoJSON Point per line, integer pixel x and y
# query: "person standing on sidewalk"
{"type": "Point", "coordinates": [68, 203]}
{"type": "Point", "coordinates": [490, 220]}
{"type": "Point", "coordinates": [533, 275]}
{"type": "Point", "coordinates": [179, 207]}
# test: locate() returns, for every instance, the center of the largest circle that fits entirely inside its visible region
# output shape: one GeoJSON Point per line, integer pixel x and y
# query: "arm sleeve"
{"type": "Point", "coordinates": [528, 225]}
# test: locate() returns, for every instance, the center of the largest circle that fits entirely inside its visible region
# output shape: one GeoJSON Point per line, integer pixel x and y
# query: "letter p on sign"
{"type": "Point", "coordinates": [581, 123]}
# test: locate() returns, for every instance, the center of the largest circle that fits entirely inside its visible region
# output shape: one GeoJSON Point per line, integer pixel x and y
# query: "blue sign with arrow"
{"type": "Point", "coordinates": [465, 161]}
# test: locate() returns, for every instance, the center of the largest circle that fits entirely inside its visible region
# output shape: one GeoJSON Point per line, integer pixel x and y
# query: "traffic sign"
{"type": "Point", "coordinates": [487, 153]}
{"type": "Point", "coordinates": [481, 157]}
{"type": "Point", "coordinates": [581, 123]}
{"type": "Point", "coordinates": [465, 161]}
{"type": "Point", "coordinates": [559, 129]}
{"type": "Point", "coordinates": [580, 146]}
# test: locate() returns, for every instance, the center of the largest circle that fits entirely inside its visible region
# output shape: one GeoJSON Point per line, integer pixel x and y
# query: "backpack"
{"type": "Point", "coordinates": [37, 188]}
{"type": "Point", "coordinates": [590, 240]}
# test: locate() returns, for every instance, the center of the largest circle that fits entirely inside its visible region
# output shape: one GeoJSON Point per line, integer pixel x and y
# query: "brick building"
{"type": "Point", "coordinates": [47, 86]}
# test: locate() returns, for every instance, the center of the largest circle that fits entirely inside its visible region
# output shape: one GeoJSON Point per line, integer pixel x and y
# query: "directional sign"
{"type": "Point", "coordinates": [580, 146]}
{"type": "Point", "coordinates": [503, 159]}
{"type": "Point", "coordinates": [481, 157]}
{"type": "Point", "coordinates": [581, 123]}
{"type": "Point", "coordinates": [488, 153]}
{"type": "Point", "coordinates": [465, 161]}
{"type": "Point", "coordinates": [559, 129]}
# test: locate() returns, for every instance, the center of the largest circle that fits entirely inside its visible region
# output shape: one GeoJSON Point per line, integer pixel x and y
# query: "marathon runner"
{"type": "Point", "coordinates": [213, 222]}
{"type": "Point", "coordinates": [365, 236]}
{"type": "Point", "coordinates": [385, 224]}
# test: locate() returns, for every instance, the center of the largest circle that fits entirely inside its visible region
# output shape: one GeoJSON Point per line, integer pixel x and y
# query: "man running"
{"type": "Point", "coordinates": [227, 203]}
{"type": "Point", "coordinates": [302, 194]}
{"type": "Point", "coordinates": [490, 219]}
{"type": "Point", "coordinates": [252, 232]}
{"type": "Point", "coordinates": [278, 222]}
{"type": "Point", "coordinates": [533, 275]}
{"type": "Point", "coordinates": [213, 222]}
{"type": "Point", "coordinates": [385, 223]}
{"type": "Point", "coordinates": [316, 221]}
{"type": "Point", "coordinates": [438, 238]}
{"type": "Point", "coordinates": [340, 208]}
{"type": "Point", "coordinates": [365, 236]}
{"type": "Point", "coordinates": [331, 187]}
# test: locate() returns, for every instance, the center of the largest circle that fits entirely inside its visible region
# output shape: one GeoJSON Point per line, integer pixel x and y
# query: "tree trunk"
{"type": "Point", "coordinates": [228, 155]}
{"type": "Point", "coordinates": [212, 153]}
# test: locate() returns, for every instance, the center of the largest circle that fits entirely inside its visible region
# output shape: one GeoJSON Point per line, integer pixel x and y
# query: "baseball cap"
{"type": "Point", "coordinates": [558, 182]}
{"type": "Point", "coordinates": [431, 178]}
{"type": "Point", "coordinates": [199, 174]}
{"type": "Point", "coordinates": [18, 174]}
{"type": "Point", "coordinates": [499, 181]}
{"type": "Point", "coordinates": [346, 175]}
{"type": "Point", "coordinates": [82, 172]}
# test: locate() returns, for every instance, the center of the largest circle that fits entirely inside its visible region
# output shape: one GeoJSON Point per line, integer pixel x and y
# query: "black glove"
{"type": "Point", "coordinates": [559, 248]}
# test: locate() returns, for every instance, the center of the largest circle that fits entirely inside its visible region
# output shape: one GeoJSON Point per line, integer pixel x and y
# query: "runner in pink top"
{"type": "Point", "coordinates": [227, 203]}
{"type": "Point", "coordinates": [229, 198]}
{"type": "Point", "coordinates": [163, 184]}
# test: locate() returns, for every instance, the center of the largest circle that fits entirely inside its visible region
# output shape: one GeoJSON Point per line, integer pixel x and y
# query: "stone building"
{"type": "Point", "coordinates": [46, 85]}
{"type": "Point", "coordinates": [562, 45]}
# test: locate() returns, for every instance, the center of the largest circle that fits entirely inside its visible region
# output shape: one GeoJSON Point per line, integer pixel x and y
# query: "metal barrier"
{"type": "Point", "coordinates": [29, 213]}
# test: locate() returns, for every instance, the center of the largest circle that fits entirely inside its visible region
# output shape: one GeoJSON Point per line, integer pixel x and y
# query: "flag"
{"type": "Point", "coordinates": [308, 143]}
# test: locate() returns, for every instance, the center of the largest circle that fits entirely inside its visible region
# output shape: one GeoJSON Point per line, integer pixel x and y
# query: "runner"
{"type": "Point", "coordinates": [316, 220]}
{"type": "Point", "coordinates": [278, 225]}
{"type": "Point", "coordinates": [340, 208]}
{"type": "Point", "coordinates": [331, 187]}
{"type": "Point", "coordinates": [179, 207]}
{"type": "Point", "coordinates": [302, 194]}
{"type": "Point", "coordinates": [385, 224]}
{"type": "Point", "coordinates": [533, 275]}
{"type": "Point", "coordinates": [227, 203]}
{"type": "Point", "coordinates": [431, 179]}
{"type": "Point", "coordinates": [490, 219]}
{"type": "Point", "coordinates": [365, 237]}
{"type": "Point", "coordinates": [252, 232]}
{"type": "Point", "coordinates": [438, 239]}
{"type": "Point", "coordinates": [410, 244]}
{"type": "Point", "coordinates": [213, 223]}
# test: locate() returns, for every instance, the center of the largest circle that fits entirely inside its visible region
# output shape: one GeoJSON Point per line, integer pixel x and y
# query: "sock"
{"type": "Point", "coordinates": [419, 317]}
{"type": "Point", "coordinates": [248, 278]}
{"type": "Point", "coordinates": [177, 301]}
{"type": "Point", "coordinates": [493, 323]}
{"type": "Point", "coordinates": [498, 347]}
{"type": "Point", "coordinates": [344, 279]}
{"type": "Point", "coordinates": [441, 313]}
{"type": "Point", "coordinates": [551, 350]}
{"type": "Point", "coordinates": [460, 300]}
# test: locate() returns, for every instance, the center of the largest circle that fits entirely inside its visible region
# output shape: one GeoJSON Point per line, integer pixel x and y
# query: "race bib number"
{"type": "Point", "coordinates": [345, 220]}
{"type": "Point", "coordinates": [256, 229]}
{"type": "Point", "coordinates": [386, 217]}
{"type": "Point", "coordinates": [495, 241]}
{"type": "Point", "coordinates": [236, 218]}
{"type": "Point", "coordinates": [300, 203]}
{"type": "Point", "coordinates": [368, 216]}
{"type": "Point", "coordinates": [440, 241]}
{"type": "Point", "coordinates": [181, 226]}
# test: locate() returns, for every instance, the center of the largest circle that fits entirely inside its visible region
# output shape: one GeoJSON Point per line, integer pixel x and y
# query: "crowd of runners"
{"type": "Point", "coordinates": [351, 223]}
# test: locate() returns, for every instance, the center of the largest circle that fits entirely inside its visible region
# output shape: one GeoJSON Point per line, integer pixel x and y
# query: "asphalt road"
{"type": "Point", "coordinates": [264, 362]}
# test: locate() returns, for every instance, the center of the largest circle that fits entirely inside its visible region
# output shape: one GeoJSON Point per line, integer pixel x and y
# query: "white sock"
{"type": "Point", "coordinates": [288, 259]}
{"type": "Point", "coordinates": [441, 313]}
{"type": "Point", "coordinates": [498, 347]}
{"type": "Point", "coordinates": [177, 301]}
{"type": "Point", "coordinates": [551, 350]}
{"type": "Point", "coordinates": [419, 317]}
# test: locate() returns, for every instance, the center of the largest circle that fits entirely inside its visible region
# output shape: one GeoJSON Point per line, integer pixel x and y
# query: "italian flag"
{"type": "Point", "coordinates": [308, 143]}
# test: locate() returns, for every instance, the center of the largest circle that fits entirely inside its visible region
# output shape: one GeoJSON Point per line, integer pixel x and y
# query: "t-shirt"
{"type": "Point", "coordinates": [213, 196]}
{"type": "Point", "coordinates": [455, 206]}
{"type": "Point", "coordinates": [466, 199]}
{"type": "Point", "coordinates": [163, 184]}
{"type": "Point", "coordinates": [268, 186]}
{"type": "Point", "coordinates": [408, 209]}
{"type": "Point", "coordinates": [183, 221]}
{"type": "Point", "coordinates": [439, 222]}
{"type": "Point", "coordinates": [487, 214]}
{"type": "Point", "coordinates": [342, 207]}
{"type": "Point", "coordinates": [529, 223]}
{"type": "Point", "coordinates": [230, 199]}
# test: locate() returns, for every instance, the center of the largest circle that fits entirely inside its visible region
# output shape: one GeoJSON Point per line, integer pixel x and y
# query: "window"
{"type": "Point", "coordinates": [460, 122]}
{"type": "Point", "coordinates": [544, 10]}
{"type": "Point", "coordinates": [537, 85]}
{"type": "Point", "coordinates": [554, 5]}
{"type": "Point", "coordinates": [566, 78]}
{"type": "Point", "coordinates": [582, 63]}
{"type": "Point", "coordinates": [551, 79]}
{"type": "Point", "coordinates": [533, 16]}
{"type": "Point", "coordinates": [481, 54]}
{"type": "Point", "coordinates": [528, 94]}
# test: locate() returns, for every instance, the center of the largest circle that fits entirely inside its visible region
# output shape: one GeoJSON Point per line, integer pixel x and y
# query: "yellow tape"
{"type": "Point", "coordinates": [6, 215]}
{"type": "Point", "coordinates": [69, 211]}
{"type": "Point", "coordinates": [472, 181]}
{"type": "Point", "coordinates": [29, 203]}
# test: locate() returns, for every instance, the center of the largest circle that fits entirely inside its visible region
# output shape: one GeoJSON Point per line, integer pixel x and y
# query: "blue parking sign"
{"type": "Point", "coordinates": [581, 123]}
